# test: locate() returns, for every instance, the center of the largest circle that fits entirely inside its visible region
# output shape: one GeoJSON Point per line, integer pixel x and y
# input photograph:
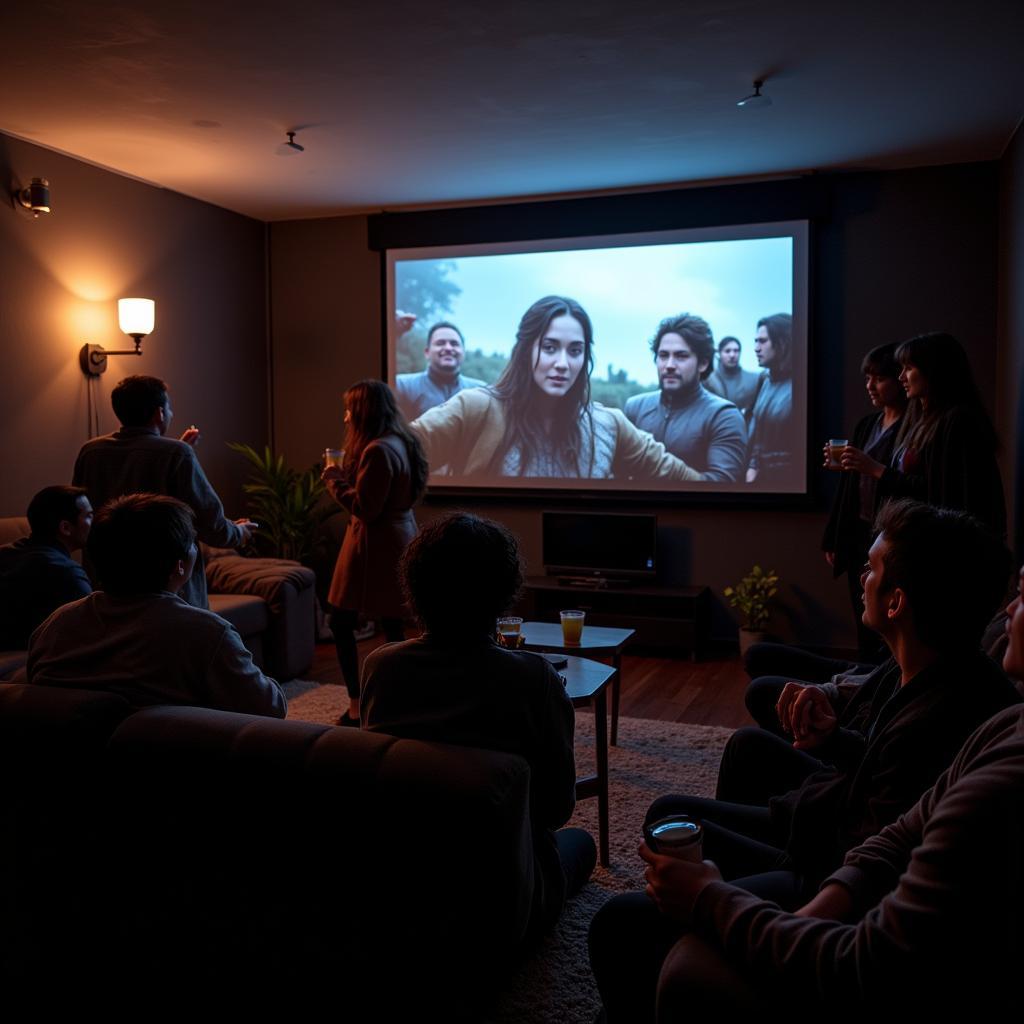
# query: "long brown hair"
{"type": "Point", "coordinates": [373, 413]}
{"type": "Point", "coordinates": [944, 364]}
{"type": "Point", "coordinates": [518, 391]}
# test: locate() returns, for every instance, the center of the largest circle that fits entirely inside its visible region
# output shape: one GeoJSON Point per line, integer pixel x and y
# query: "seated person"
{"type": "Point", "coordinates": [136, 636]}
{"type": "Point", "coordinates": [770, 666]}
{"type": "Point", "coordinates": [456, 685]}
{"type": "Point", "coordinates": [862, 754]}
{"type": "Point", "coordinates": [37, 573]}
{"type": "Point", "coordinates": [922, 919]}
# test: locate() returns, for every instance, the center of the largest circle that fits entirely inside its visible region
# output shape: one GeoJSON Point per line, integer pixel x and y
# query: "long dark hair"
{"type": "Point", "coordinates": [518, 391]}
{"type": "Point", "coordinates": [780, 332]}
{"type": "Point", "coordinates": [373, 413]}
{"type": "Point", "coordinates": [944, 364]}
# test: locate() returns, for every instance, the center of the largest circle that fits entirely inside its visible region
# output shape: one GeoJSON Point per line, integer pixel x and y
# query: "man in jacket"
{"type": "Point", "coordinates": [705, 431]}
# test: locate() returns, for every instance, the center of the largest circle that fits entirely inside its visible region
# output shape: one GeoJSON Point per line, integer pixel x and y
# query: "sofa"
{"type": "Point", "coordinates": [175, 852]}
{"type": "Point", "coordinates": [270, 601]}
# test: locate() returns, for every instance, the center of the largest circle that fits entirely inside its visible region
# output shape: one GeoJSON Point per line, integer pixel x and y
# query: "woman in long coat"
{"type": "Point", "coordinates": [382, 476]}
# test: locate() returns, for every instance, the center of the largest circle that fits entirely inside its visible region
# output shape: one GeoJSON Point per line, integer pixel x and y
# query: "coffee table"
{"type": "Point", "coordinates": [596, 641]}
{"type": "Point", "coordinates": [586, 683]}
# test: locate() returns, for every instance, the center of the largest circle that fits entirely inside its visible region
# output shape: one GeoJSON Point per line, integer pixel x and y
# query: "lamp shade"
{"type": "Point", "coordinates": [136, 316]}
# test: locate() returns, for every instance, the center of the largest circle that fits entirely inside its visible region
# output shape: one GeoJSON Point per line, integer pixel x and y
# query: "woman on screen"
{"type": "Point", "coordinates": [538, 419]}
{"type": "Point", "coordinates": [771, 430]}
{"type": "Point", "coordinates": [946, 448]}
{"type": "Point", "coordinates": [382, 475]}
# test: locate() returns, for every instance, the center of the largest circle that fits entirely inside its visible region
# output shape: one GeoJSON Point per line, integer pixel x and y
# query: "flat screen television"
{"type": "Point", "coordinates": [600, 546]}
{"type": "Point", "coordinates": [613, 387]}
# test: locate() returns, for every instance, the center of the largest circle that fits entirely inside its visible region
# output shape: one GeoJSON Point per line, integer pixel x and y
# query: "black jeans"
{"type": "Point", "coordinates": [630, 938]}
{"type": "Point", "coordinates": [343, 624]}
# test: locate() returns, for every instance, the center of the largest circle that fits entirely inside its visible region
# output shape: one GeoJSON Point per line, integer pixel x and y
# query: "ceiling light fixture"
{"type": "Point", "coordinates": [291, 147]}
{"type": "Point", "coordinates": [756, 99]}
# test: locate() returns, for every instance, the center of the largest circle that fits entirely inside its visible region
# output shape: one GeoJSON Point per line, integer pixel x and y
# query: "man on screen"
{"type": "Point", "coordinates": [418, 392]}
{"type": "Point", "coordinates": [730, 380]}
{"type": "Point", "coordinates": [704, 430]}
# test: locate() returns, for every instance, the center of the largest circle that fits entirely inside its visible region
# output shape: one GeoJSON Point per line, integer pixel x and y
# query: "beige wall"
{"type": "Point", "coordinates": [894, 255]}
{"type": "Point", "coordinates": [60, 276]}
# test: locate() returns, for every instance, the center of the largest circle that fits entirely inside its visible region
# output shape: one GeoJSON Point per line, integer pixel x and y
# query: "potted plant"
{"type": "Point", "coordinates": [284, 502]}
{"type": "Point", "coordinates": [752, 595]}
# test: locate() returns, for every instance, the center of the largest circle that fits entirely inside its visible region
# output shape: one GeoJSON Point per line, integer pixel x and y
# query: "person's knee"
{"type": "Point", "coordinates": [746, 744]}
{"type": "Point", "coordinates": [763, 659]}
{"type": "Point", "coordinates": [617, 923]}
{"type": "Point", "coordinates": [694, 977]}
{"type": "Point", "coordinates": [671, 803]}
{"type": "Point", "coordinates": [578, 855]}
{"type": "Point", "coordinates": [761, 697]}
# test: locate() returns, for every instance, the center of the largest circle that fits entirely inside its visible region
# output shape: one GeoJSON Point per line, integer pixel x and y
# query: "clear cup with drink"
{"type": "Point", "coordinates": [835, 451]}
{"type": "Point", "coordinates": [572, 627]}
{"type": "Point", "coordinates": [510, 631]}
{"type": "Point", "coordinates": [333, 457]}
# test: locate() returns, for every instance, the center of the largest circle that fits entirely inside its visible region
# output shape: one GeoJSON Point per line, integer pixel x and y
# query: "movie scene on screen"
{"type": "Point", "coordinates": [669, 361]}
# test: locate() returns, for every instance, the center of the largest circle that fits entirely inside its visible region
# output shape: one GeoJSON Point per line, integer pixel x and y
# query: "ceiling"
{"type": "Point", "coordinates": [409, 103]}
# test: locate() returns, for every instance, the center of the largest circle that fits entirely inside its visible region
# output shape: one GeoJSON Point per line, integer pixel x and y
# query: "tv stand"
{"type": "Point", "coordinates": [670, 619]}
{"type": "Point", "coordinates": [591, 582]}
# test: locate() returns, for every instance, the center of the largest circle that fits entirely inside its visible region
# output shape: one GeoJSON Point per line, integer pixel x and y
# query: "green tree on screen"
{"type": "Point", "coordinates": [422, 288]}
{"type": "Point", "coordinates": [483, 367]}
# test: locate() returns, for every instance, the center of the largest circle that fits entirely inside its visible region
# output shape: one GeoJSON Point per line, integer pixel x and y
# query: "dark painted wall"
{"type": "Point", "coordinates": [1011, 331]}
{"type": "Point", "coordinates": [60, 277]}
{"type": "Point", "coordinates": [895, 254]}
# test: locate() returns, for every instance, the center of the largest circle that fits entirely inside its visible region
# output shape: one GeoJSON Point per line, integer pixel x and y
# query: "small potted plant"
{"type": "Point", "coordinates": [752, 595]}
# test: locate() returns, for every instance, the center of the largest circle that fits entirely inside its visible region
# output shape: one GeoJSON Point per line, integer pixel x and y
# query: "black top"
{"type": "Point", "coordinates": [35, 580]}
{"type": "Point", "coordinates": [891, 744]}
{"type": "Point", "coordinates": [845, 533]}
{"type": "Point", "coordinates": [957, 469]}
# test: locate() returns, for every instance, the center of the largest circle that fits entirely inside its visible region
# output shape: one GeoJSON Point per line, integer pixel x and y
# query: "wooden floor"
{"type": "Point", "coordinates": [707, 692]}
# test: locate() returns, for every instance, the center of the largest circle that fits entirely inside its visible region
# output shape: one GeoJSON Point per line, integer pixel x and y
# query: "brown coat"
{"type": "Point", "coordinates": [382, 524]}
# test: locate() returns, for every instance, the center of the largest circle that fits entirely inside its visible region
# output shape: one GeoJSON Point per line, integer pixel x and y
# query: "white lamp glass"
{"type": "Point", "coordinates": [136, 316]}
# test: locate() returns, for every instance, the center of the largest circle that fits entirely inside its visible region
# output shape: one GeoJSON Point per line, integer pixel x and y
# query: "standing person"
{"type": "Point", "coordinates": [37, 573]}
{"type": "Point", "coordinates": [848, 533]}
{"type": "Point", "coordinates": [382, 475]}
{"type": "Point", "coordinates": [444, 353]}
{"type": "Point", "coordinates": [538, 419]}
{"type": "Point", "coordinates": [771, 428]}
{"type": "Point", "coordinates": [454, 684]}
{"type": "Point", "coordinates": [730, 380]}
{"type": "Point", "coordinates": [946, 448]}
{"type": "Point", "coordinates": [705, 431]}
{"type": "Point", "coordinates": [140, 458]}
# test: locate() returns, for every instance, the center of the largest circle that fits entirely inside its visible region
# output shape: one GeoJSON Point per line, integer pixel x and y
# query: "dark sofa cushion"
{"type": "Point", "coordinates": [425, 850]}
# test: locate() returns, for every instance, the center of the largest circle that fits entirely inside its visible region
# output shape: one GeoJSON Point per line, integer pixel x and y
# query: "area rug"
{"type": "Point", "coordinates": [555, 986]}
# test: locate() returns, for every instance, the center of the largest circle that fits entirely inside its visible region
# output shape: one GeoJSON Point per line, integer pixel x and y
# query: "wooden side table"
{"type": "Point", "coordinates": [586, 683]}
{"type": "Point", "coordinates": [596, 641]}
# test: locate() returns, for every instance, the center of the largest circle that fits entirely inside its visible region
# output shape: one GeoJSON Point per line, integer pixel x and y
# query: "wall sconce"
{"type": "Point", "coordinates": [136, 318]}
{"type": "Point", "coordinates": [36, 197]}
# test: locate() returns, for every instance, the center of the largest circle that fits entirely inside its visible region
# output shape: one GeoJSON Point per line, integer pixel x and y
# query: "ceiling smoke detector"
{"type": "Point", "coordinates": [755, 100]}
{"type": "Point", "coordinates": [291, 147]}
